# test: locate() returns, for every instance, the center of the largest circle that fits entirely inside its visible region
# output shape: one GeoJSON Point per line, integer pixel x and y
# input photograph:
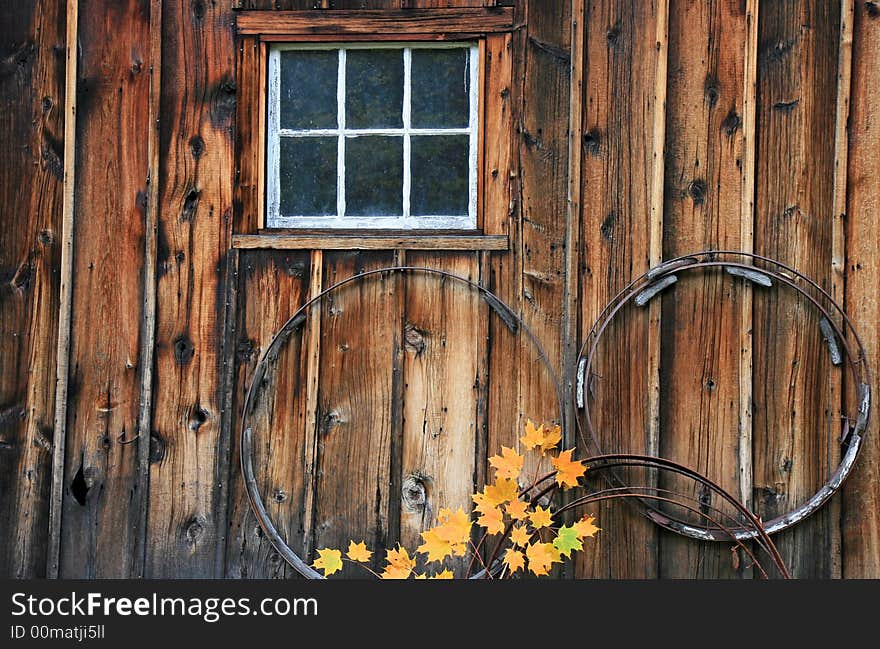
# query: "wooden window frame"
{"type": "Point", "coordinates": [258, 30]}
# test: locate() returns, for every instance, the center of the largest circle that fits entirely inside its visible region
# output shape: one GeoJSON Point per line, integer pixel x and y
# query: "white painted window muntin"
{"type": "Point", "coordinates": [274, 219]}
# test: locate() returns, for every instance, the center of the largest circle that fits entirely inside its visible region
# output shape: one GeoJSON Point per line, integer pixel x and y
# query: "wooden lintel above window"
{"type": "Point", "coordinates": [411, 241]}
{"type": "Point", "coordinates": [376, 22]}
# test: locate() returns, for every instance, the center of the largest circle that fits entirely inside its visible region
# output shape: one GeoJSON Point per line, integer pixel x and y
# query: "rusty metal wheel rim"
{"type": "Point", "coordinates": [294, 323]}
{"type": "Point", "coordinates": [750, 267]}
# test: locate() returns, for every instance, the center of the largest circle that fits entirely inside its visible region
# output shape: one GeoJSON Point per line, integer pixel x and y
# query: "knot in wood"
{"type": "Point", "coordinates": [414, 339]}
{"type": "Point", "coordinates": [414, 495]}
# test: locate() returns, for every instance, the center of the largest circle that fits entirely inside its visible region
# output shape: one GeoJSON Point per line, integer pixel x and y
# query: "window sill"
{"type": "Point", "coordinates": [332, 241]}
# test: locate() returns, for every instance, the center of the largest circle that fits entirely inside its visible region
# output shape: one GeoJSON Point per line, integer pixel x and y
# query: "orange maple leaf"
{"type": "Point", "coordinates": [358, 552]}
{"type": "Point", "coordinates": [552, 437]}
{"type": "Point", "coordinates": [400, 564]}
{"type": "Point", "coordinates": [544, 438]}
{"type": "Point", "coordinates": [517, 509]}
{"type": "Point", "coordinates": [514, 560]}
{"type": "Point", "coordinates": [520, 536]}
{"type": "Point", "coordinates": [567, 470]}
{"type": "Point", "coordinates": [446, 573]}
{"type": "Point", "coordinates": [534, 437]}
{"type": "Point", "coordinates": [541, 517]}
{"type": "Point", "coordinates": [541, 556]}
{"type": "Point", "coordinates": [508, 464]}
{"type": "Point", "coordinates": [586, 527]}
{"type": "Point", "coordinates": [493, 520]}
{"type": "Point", "coordinates": [329, 561]}
{"type": "Point", "coordinates": [449, 536]}
{"type": "Point", "coordinates": [501, 492]}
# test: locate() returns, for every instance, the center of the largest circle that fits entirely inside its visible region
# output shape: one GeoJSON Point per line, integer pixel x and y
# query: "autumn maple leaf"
{"type": "Point", "coordinates": [541, 556]}
{"type": "Point", "coordinates": [508, 464]}
{"type": "Point", "coordinates": [541, 517]}
{"type": "Point", "coordinates": [358, 552]}
{"type": "Point", "coordinates": [449, 536]}
{"type": "Point", "coordinates": [586, 527]}
{"type": "Point", "coordinates": [495, 495]}
{"type": "Point", "coordinates": [544, 438]}
{"type": "Point", "coordinates": [534, 437]}
{"type": "Point", "coordinates": [517, 509]}
{"type": "Point", "coordinates": [400, 564]}
{"type": "Point", "coordinates": [567, 540]}
{"type": "Point", "coordinates": [520, 536]}
{"type": "Point", "coordinates": [514, 560]}
{"type": "Point", "coordinates": [444, 574]}
{"type": "Point", "coordinates": [329, 561]}
{"type": "Point", "coordinates": [493, 520]}
{"type": "Point", "coordinates": [567, 470]}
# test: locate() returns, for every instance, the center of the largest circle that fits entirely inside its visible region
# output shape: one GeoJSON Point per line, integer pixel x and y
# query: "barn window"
{"type": "Point", "coordinates": [372, 135]}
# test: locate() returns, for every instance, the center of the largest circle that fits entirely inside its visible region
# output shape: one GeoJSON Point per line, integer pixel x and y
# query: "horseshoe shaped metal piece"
{"type": "Point", "coordinates": [762, 272]}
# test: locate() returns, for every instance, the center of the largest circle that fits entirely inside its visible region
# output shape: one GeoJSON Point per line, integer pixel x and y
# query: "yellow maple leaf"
{"type": "Point", "coordinates": [541, 517]}
{"type": "Point", "coordinates": [454, 527]}
{"type": "Point", "coordinates": [514, 560]}
{"type": "Point", "coordinates": [534, 437]}
{"type": "Point", "coordinates": [567, 470]}
{"type": "Point", "coordinates": [449, 536]}
{"type": "Point", "coordinates": [541, 556]}
{"type": "Point", "coordinates": [501, 492]}
{"type": "Point", "coordinates": [508, 464]}
{"type": "Point", "coordinates": [520, 536]}
{"type": "Point", "coordinates": [552, 437]}
{"type": "Point", "coordinates": [493, 520]}
{"type": "Point", "coordinates": [400, 564]}
{"type": "Point", "coordinates": [544, 438]}
{"type": "Point", "coordinates": [421, 576]}
{"type": "Point", "coordinates": [329, 561]}
{"type": "Point", "coordinates": [358, 552]}
{"type": "Point", "coordinates": [446, 573]}
{"type": "Point", "coordinates": [586, 527]}
{"type": "Point", "coordinates": [517, 509]}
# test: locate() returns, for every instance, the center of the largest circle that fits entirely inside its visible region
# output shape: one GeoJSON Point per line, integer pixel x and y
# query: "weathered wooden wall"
{"type": "Point", "coordinates": [630, 132]}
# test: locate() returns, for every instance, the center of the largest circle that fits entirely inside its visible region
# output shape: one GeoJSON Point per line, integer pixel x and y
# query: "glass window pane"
{"type": "Point", "coordinates": [308, 89]}
{"type": "Point", "coordinates": [440, 184]}
{"type": "Point", "coordinates": [374, 176]}
{"type": "Point", "coordinates": [374, 89]}
{"type": "Point", "coordinates": [308, 176]}
{"type": "Point", "coordinates": [440, 88]}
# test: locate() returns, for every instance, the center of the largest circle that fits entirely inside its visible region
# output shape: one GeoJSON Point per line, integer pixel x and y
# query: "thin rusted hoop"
{"type": "Point", "coordinates": [656, 279]}
{"type": "Point", "coordinates": [507, 315]}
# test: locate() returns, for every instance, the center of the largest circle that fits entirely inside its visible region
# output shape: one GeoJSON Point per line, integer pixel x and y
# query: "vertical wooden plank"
{"type": "Point", "coordinates": [861, 495]}
{"type": "Point", "coordinates": [702, 324]}
{"type": "Point", "coordinates": [442, 387]}
{"type": "Point", "coordinates": [32, 91]}
{"type": "Point", "coordinates": [62, 365]}
{"type": "Point", "coordinates": [501, 209]}
{"type": "Point", "coordinates": [621, 58]}
{"type": "Point", "coordinates": [249, 134]}
{"type": "Point", "coordinates": [355, 488]}
{"type": "Point", "coordinates": [572, 332]}
{"type": "Point", "coordinates": [271, 286]}
{"type": "Point", "coordinates": [195, 198]}
{"type": "Point", "coordinates": [543, 164]}
{"type": "Point", "coordinates": [795, 424]}
{"type": "Point", "coordinates": [101, 504]}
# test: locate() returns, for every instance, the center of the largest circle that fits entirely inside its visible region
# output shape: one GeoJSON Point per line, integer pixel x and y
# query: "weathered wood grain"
{"type": "Point", "coordinates": [32, 94]}
{"type": "Point", "coordinates": [369, 242]}
{"type": "Point", "coordinates": [861, 495]}
{"type": "Point", "coordinates": [795, 423]}
{"type": "Point", "coordinates": [270, 288]}
{"type": "Point", "coordinates": [249, 134]}
{"type": "Point", "coordinates": [620, 55]}
{"type": "Point", "coordinates": [101, 506]}
{"type": "Point", "coordinates": [357, 497]}
{"type": "Point", "coordinates": [442, 388]}
{"type": "Point", "coordinates": [195, 201]}
{"type": "Point", "coordinates": [375, 22]}
{"type": "Point", "coordinates": [701, 322]}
